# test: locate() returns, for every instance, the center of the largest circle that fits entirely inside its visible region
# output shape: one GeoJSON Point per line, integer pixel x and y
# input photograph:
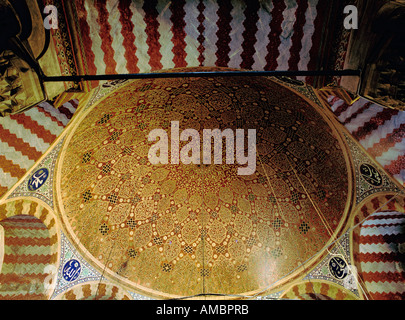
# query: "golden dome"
{"type": "Point", "coordinates": [170, 230]}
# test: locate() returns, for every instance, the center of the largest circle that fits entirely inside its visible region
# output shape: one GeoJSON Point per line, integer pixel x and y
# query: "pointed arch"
{"type": "Point", "coordinates": [318, 290]}
{"type": "Point", "coordinates": [30, 250]}
{"type": "Point", "coordinates": [377, 246]}
{"type": "Point", "coordinates": [95, 291]}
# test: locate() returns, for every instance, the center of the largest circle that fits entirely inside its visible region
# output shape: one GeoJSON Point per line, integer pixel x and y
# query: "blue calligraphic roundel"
{"type": "Point", "coordinates": [338, 268]}
{"type": "Point", "coordinates": [71, 270]}
{"type": "Point", "coordinates": [38, 179]}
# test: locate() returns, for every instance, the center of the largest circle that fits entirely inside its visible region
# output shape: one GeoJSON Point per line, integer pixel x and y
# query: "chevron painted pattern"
{"type": "Point", "coordinates": [380, 130]}
{"type": "Point", "coordinates": [95, 291]}
{"type": "Point", "coordinates": [382, 255]}
{"type": "Point", "coordinates": [315, 290]}
{"type": "Point", "coordinates": [378, 247]}
{"type": "Point", "coordinates": [140, 36]}
{"type": "Point", "coordinates": [30, 246]}
{"type": "Point", "coordinates": [25, 137]}
{"type": "Point", "coordinates": [26, 254]}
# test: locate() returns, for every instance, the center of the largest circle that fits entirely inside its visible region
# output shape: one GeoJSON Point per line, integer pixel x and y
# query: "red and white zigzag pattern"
{"type": "Point", "coordinates": [380, 130]}
{"type": "Point", "coordinates": [381, 255]}
{"type": "Point", "coordinates": [140, 36]}
{"type": "Point", "coordinates": [27, 253]}
{"type": "Point", "coordinates": [25, 137]}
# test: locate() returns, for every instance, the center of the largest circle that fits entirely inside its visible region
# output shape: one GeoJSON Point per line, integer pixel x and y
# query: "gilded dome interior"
{"type": "Point", "coordinates": [172, 230]}
{"type": "Point", "coordinates": [93, 205]}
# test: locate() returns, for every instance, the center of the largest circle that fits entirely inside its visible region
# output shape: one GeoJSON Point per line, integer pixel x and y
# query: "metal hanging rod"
{"type": "Point", "coordinates": [198, 74]}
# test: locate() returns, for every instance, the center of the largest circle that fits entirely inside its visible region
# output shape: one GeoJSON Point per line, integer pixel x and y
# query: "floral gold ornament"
{"type": "Point", "coordinates": [186, 229]}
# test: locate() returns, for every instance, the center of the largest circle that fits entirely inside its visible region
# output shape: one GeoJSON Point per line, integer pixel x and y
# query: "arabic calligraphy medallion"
{"type": "Point", "coordinates": [71, 270]}
{"type": "Point", "coordinates": [338, 268]}
{"type": "Point", "coordinates": [371, 175]}
{"type": "Point", "coordinates": [38, 179]}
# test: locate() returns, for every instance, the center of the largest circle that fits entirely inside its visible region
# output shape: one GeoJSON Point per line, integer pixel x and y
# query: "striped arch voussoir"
{"type": "Point", "coordinates": [37, 210]}
{"type": "Point", "coordinates": [318, 290]}
{"type": "Point", "coordinates": [380, 203]}
{"type": "Point", "coordinates": [95, 291]}
{"type": "Point", "coordinates": [374, 204]}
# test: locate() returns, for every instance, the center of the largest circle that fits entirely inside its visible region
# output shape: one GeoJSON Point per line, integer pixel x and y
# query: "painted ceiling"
{"type": "Point", "coordinates": [96, 37]}
{"type": "Point", "coordinates": [139, 36]}
{"type": "Point", "coordinates": [156, 224]}
{"type": "Point", "coordinates": [120, 228]}
{"type": "Point", "coordinates": [130, 37]}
